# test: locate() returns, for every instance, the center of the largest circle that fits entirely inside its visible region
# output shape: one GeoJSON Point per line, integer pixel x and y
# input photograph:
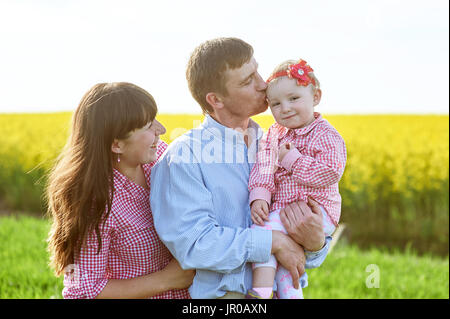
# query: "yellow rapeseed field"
{"type": "Point", "coordinates": [397, 168]}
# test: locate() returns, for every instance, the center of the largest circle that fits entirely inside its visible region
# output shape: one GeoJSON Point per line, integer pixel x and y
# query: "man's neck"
{"type": "Point", "coordinates": [234, 123]}
{"type": "Point", "coordinates": [240, 124]}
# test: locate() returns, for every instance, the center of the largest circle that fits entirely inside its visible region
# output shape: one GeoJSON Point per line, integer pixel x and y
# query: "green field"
{"type": "Point", "coordinates": [24, 272]}
{"type": "Point", "coordinates": [395, 194]}
{"type": "Point", "coordinates": [395, 188]}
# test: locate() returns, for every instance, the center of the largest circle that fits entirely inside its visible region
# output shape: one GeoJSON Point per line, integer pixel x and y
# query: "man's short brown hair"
{"type": "Point", "coordinates": [208, 63]}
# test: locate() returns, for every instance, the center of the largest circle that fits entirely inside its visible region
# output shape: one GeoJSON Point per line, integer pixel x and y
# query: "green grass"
{"type": "Point", "coordinates": [24, 272]}
{"type": "Point", "coordinates": [349, 272]}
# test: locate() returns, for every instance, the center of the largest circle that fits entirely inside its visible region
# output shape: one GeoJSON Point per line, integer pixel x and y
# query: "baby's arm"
{"type": "Point", "coordinates": [261, 183]}
{"type": "Point", "coordinates": [325, 168]}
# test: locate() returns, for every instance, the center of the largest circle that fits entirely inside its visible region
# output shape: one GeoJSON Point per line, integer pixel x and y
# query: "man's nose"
{"type": "Point", "coordinates": [262, 85]}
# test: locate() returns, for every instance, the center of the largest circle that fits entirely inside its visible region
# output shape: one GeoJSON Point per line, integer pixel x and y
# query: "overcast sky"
{"type": "Point", "coordinates": [370, 56]}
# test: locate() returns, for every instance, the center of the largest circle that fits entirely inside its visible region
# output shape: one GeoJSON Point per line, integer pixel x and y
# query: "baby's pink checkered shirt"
{"type": "Point", "coordinates": [312, 168]}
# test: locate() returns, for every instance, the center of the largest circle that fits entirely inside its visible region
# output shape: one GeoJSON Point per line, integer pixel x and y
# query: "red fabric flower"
{"type": "Point", "coordinates": [297, 71]}
{"type": "Point", "coordinates": [300, 72]}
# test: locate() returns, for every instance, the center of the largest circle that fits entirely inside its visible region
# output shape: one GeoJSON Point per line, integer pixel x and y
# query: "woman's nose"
{"type": "Point", "coordinates": [160, 129]}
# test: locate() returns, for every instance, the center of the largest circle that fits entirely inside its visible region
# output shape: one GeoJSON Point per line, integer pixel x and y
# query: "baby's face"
{"type": "Point", "coordinates": [292, 105]}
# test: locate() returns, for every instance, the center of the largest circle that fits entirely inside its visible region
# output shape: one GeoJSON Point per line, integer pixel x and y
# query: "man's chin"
{"type": "Point", "coordinates": [260, 110]}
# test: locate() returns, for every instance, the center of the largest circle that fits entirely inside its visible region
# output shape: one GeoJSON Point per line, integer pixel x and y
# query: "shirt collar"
{"type": "Point", "coordinates": [283, 131]}
{"type": "Point", "coordinates": [228, 134]}
{"type": "Point", "coordinates": [122, 182]}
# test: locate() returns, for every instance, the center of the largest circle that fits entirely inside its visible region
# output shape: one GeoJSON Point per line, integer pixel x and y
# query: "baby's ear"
{"type": "Point", "coordinates": [317, 96]}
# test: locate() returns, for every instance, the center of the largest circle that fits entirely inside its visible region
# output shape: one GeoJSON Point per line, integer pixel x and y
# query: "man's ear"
{"type": "Point", "coordinates": [116, 146]}
{"type": "Point", "coordinates": [317, 96]}
{"type": "Point", "coordinates": [215, 100]}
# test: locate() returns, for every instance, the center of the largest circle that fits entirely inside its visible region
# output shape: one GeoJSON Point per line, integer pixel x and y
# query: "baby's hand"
{"type": "Point", "coordinates": [260, 211]}
{"type": "Point", "coordinates": [283, 150]}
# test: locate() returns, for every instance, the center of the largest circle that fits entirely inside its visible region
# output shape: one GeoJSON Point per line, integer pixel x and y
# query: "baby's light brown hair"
{"type": "Point", "coordinates": [285, 66]}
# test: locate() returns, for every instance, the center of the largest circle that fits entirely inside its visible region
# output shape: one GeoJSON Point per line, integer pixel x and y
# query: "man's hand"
{"type": "Point", "coordinates": [178, 278]}
{"type": "Point", "coordinates": [304, 224]}
{"type": "Point", "coordinates": [289, 254]}
{"type": "Point", "coordinates": [259, 211]}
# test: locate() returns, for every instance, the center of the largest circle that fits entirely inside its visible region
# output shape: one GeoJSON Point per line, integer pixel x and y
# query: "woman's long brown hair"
{"type": "Point", "coordinates": [80, 187]}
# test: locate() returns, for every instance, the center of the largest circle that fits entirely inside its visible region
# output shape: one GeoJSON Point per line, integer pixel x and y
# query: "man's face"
{"type": "Point", "coordinates": [246, 91]}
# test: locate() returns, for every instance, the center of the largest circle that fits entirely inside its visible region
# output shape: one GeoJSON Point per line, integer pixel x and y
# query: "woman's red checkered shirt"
{"type": "Point", "coordinates": [130, 245]}
{"type": "Point", "coordinates": [312, 168]}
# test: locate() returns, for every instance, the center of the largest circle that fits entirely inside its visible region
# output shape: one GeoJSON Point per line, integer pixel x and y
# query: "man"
{"type": "Point", "coordinates": [199, 191]}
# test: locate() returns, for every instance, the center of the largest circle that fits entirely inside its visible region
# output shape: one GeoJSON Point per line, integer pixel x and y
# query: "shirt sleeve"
{"type": "Point", "coordinates": [261, 183]}
{"type": "Point", "coordinates": [315, 259]}
{"type": "Point", "coordinates": [325, 168]}
{"type": "Point", "coordinates": [86, 278]}
{"type": "Point", "coordinates": [184, 219]}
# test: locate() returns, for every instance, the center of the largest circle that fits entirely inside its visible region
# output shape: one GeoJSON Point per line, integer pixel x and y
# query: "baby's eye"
{"type": "Point", "coordinates": [293, 98]}
{"type": "Point", "coordinates": [274, 104]}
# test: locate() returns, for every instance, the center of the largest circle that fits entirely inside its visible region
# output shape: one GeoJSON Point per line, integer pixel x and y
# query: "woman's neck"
{"type": "Point", "coordinates": [134, 173]}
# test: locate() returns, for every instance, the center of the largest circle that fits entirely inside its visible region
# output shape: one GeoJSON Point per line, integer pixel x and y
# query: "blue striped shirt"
{"type": "Point", "coordinates": [200, 203]}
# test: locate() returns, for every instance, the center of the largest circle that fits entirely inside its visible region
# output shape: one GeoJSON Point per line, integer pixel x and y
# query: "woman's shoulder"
{"type": "Point", "coordinates": [160, 149]}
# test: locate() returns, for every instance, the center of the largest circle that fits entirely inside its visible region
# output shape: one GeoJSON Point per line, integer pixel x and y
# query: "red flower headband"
{"type": "Point", "coordinates": [297, 71]}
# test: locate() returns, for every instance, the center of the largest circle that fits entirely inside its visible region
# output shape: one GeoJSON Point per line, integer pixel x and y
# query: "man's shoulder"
{"type": "Point", "coordinates": [182, 149]}
{"type": "Point", "coordinates": [186, 139]}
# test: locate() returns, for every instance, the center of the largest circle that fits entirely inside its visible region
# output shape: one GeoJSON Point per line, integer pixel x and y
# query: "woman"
{"type": "Point", "coordinates": [102, 237]}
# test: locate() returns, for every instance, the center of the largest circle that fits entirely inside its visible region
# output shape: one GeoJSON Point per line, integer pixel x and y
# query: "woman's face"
{"type": "Point", "coordinates": [140, 147]}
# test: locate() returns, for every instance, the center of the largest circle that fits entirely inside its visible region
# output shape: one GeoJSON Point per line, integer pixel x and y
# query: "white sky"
{"type": "Point", "coordinates": [385, 56]}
